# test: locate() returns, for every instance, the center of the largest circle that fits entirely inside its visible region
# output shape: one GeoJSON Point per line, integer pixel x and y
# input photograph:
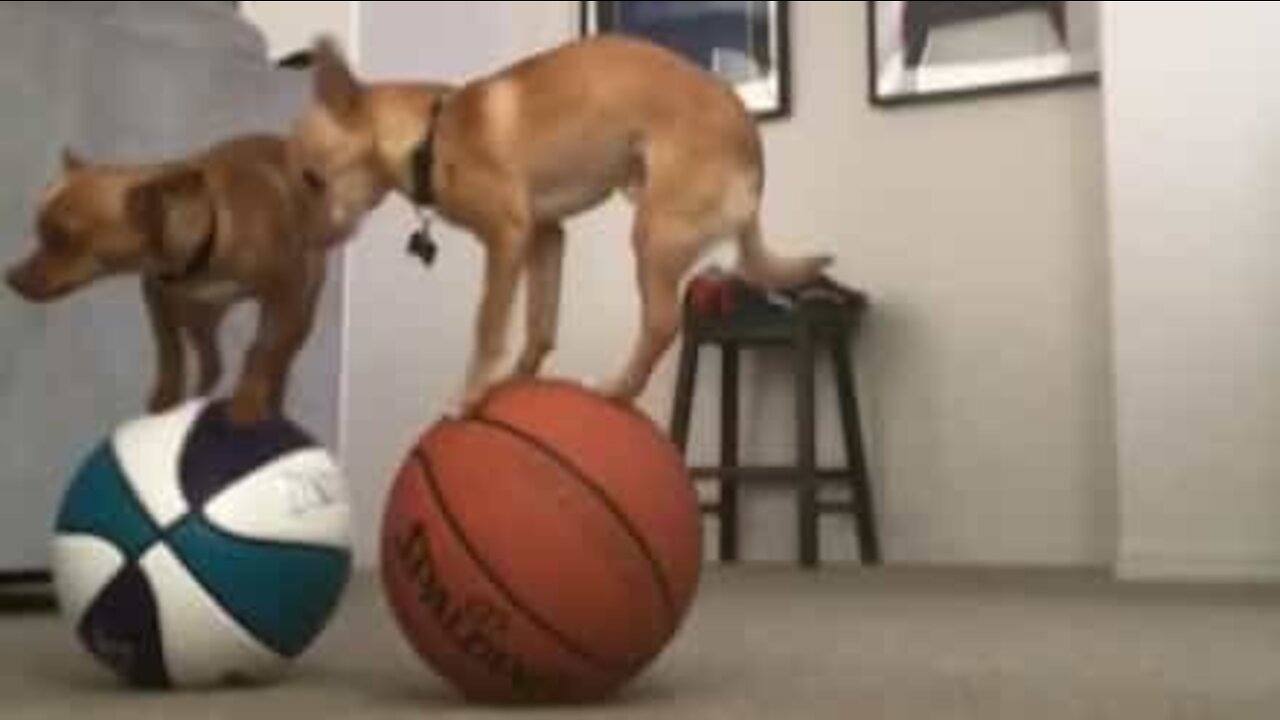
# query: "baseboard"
{"type": "Point", "coordinates": [1145, 564]}
{"type": "Point", "coordinates": [24, 577]}
{"type": "Point", "coordinates": [903, 551]}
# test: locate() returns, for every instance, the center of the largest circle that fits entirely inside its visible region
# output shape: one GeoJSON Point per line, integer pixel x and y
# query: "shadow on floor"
{"type": "Point", "coordinates": [433, 695]}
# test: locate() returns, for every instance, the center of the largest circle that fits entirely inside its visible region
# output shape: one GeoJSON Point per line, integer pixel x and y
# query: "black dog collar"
{"type": "Point", "coordinates": [422, 163]}
{"type": "Point", "coordinates": [423, 159]}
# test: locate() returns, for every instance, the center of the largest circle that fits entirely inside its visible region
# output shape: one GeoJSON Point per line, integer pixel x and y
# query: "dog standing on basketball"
{"type": "Point", "coordinates": [510, 156]}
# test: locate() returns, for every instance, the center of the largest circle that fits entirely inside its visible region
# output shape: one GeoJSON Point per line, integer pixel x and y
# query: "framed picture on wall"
{"type": "Point", "coordinates": [745, 42]}
{"type": "Point", "coordinates": [923, 50]}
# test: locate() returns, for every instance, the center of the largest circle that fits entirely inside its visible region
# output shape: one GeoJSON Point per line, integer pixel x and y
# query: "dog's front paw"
{"type": "Point", "coordinates": [164, 397]}
{"type": "Point", "coordinates": [529, 364]}
{"type": "Point", "coordinates": [475, 390]}
{"type": "Point", "coordinates": [249, 406]}
{"type": "Point", "coordinates": [619, 390]}
{"type": "Point", "coordinates": [468, 405]}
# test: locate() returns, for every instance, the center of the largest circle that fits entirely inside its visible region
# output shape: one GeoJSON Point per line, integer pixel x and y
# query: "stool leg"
{"type": "Point", "coordinates": [851, 424]}
{"type": "Point", "coordinates": [682, 405]}
{"type": "Point", "coordinates": [806, 447]}
{"type": "Point", "coordinates": [728, 505]}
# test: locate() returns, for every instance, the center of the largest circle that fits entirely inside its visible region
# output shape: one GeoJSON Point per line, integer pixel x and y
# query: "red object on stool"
{"type": "Point", "coordinates": [546, 549]}
{"type": "Point", "coordinates": [712, 296]}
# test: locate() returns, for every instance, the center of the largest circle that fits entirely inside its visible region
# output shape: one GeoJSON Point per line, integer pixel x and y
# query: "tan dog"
{"type": "Point", "coordinates": [512, 155]}
{"type": "Point", "coordinates": [224, 226]}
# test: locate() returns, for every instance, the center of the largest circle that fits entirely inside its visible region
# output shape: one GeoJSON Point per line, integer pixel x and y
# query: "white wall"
{"type": "Point", "coordinates": [977, 227]}
{"type": "Point", "coordinates": [408, 328]}
{"type": "Point", "coordinates": [289, 25]}
{"type": "Point", "coordinates": [1193, 134]}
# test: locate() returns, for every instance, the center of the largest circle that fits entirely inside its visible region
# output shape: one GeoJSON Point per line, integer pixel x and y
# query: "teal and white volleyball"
{"type": "Point", "coordinates": [191, 552]}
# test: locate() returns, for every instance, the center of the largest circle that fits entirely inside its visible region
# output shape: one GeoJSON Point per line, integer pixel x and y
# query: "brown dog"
{"type": "Point", "coordinates": [512, 155]}
{"type": "Point", "coordinates": [224, 226]}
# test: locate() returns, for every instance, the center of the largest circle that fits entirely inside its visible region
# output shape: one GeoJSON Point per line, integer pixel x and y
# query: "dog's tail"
{"type": "Point", "coordinates": [759, 266]}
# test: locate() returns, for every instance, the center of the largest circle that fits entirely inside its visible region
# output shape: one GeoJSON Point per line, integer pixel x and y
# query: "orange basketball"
{"type": "Point", "coordinates": [546, 549]}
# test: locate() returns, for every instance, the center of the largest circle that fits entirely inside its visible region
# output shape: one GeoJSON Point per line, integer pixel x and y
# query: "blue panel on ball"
{"type": "Point", "coordinates": [283, 593]}
{"type": "Point", "coordinates": [217, 453]}
{"type": "Point", "coordinates": [122, 630]}
{"type": "Point", "coordinates": [100, 502]}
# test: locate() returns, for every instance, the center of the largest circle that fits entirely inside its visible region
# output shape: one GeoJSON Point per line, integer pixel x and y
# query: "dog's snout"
{"type": "Point", "coordinates": [15, 279]}
{"type": "Point", "coordinates": [28, 281]}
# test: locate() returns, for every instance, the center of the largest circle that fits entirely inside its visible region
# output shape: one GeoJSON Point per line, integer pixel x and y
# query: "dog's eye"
{"type": "Point", "coordinates": [313, 180]}
{"type": "Point", "coordinates": [55, 238]}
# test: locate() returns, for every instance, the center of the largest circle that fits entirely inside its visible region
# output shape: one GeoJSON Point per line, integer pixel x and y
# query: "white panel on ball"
{"type": "Point", "coordinates": [150, 447]}
{"type": "Point", "coordinates": [84, 565]}
{"type": "Point", "coordinates": [202, 644]}
{"type": "Point", "coordinates": [300, 497]}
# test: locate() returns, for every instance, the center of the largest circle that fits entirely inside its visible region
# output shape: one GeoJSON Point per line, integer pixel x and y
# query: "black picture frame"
{"type": "Point", "coordinates": [1082, 70]}
{"type": "Point", "coordinates": [767, 96]}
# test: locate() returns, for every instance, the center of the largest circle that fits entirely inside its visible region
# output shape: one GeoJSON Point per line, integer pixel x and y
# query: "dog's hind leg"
{"type": "Point", "coordinates": [665, 249]}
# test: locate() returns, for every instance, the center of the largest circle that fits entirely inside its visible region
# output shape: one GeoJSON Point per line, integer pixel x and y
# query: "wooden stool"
{"type": "Point", "coordinates": [729, 314]}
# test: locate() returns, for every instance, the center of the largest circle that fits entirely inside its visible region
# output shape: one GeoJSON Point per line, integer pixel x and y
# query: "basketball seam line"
{"type": "Point", "coordinates": [135, 563]}
{"type": "Point", "coordinates": [217, 598]}
{"type": "Point", "coordinates": [429, 477]}
{"type": "Point", "coordinates": [659, 574]}
{"type": "Point", "coordinates": [126, 564]}
{"type": "Point", "coordinates": [209, 592]}
{"type": "Point", "coordinates": [309, 545]}
{"type": "Point", "coordinates": [208, 414]}
{"type": "Point", "coordinates": [157, 529]}
{"type": "Point", "coordinates": [200, 511]}
{"type": "Point", "coordinates": [163, 537]}
{"type": "Point", "coordinates": [166, 679]}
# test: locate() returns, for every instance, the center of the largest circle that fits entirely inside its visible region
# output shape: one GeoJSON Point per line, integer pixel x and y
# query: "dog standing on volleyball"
{"type": "Point", "coordinates": [512, 155]}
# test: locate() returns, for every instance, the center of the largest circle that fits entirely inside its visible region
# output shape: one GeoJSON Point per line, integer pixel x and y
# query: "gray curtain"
{"type": "Point", "coordinates": [118, 81]}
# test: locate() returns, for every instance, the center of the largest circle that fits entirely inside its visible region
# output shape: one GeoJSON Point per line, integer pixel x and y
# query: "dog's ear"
{"type": "Point", "coordinates": [174, 213]}
{"type": "Point", "coordinates": [333, 83]}
{"type": "Point", "coordinates": [71, 160]}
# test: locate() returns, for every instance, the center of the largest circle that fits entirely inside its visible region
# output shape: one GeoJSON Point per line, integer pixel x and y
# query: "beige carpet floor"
{"type": "Point", "coordinates": [778, 643]}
